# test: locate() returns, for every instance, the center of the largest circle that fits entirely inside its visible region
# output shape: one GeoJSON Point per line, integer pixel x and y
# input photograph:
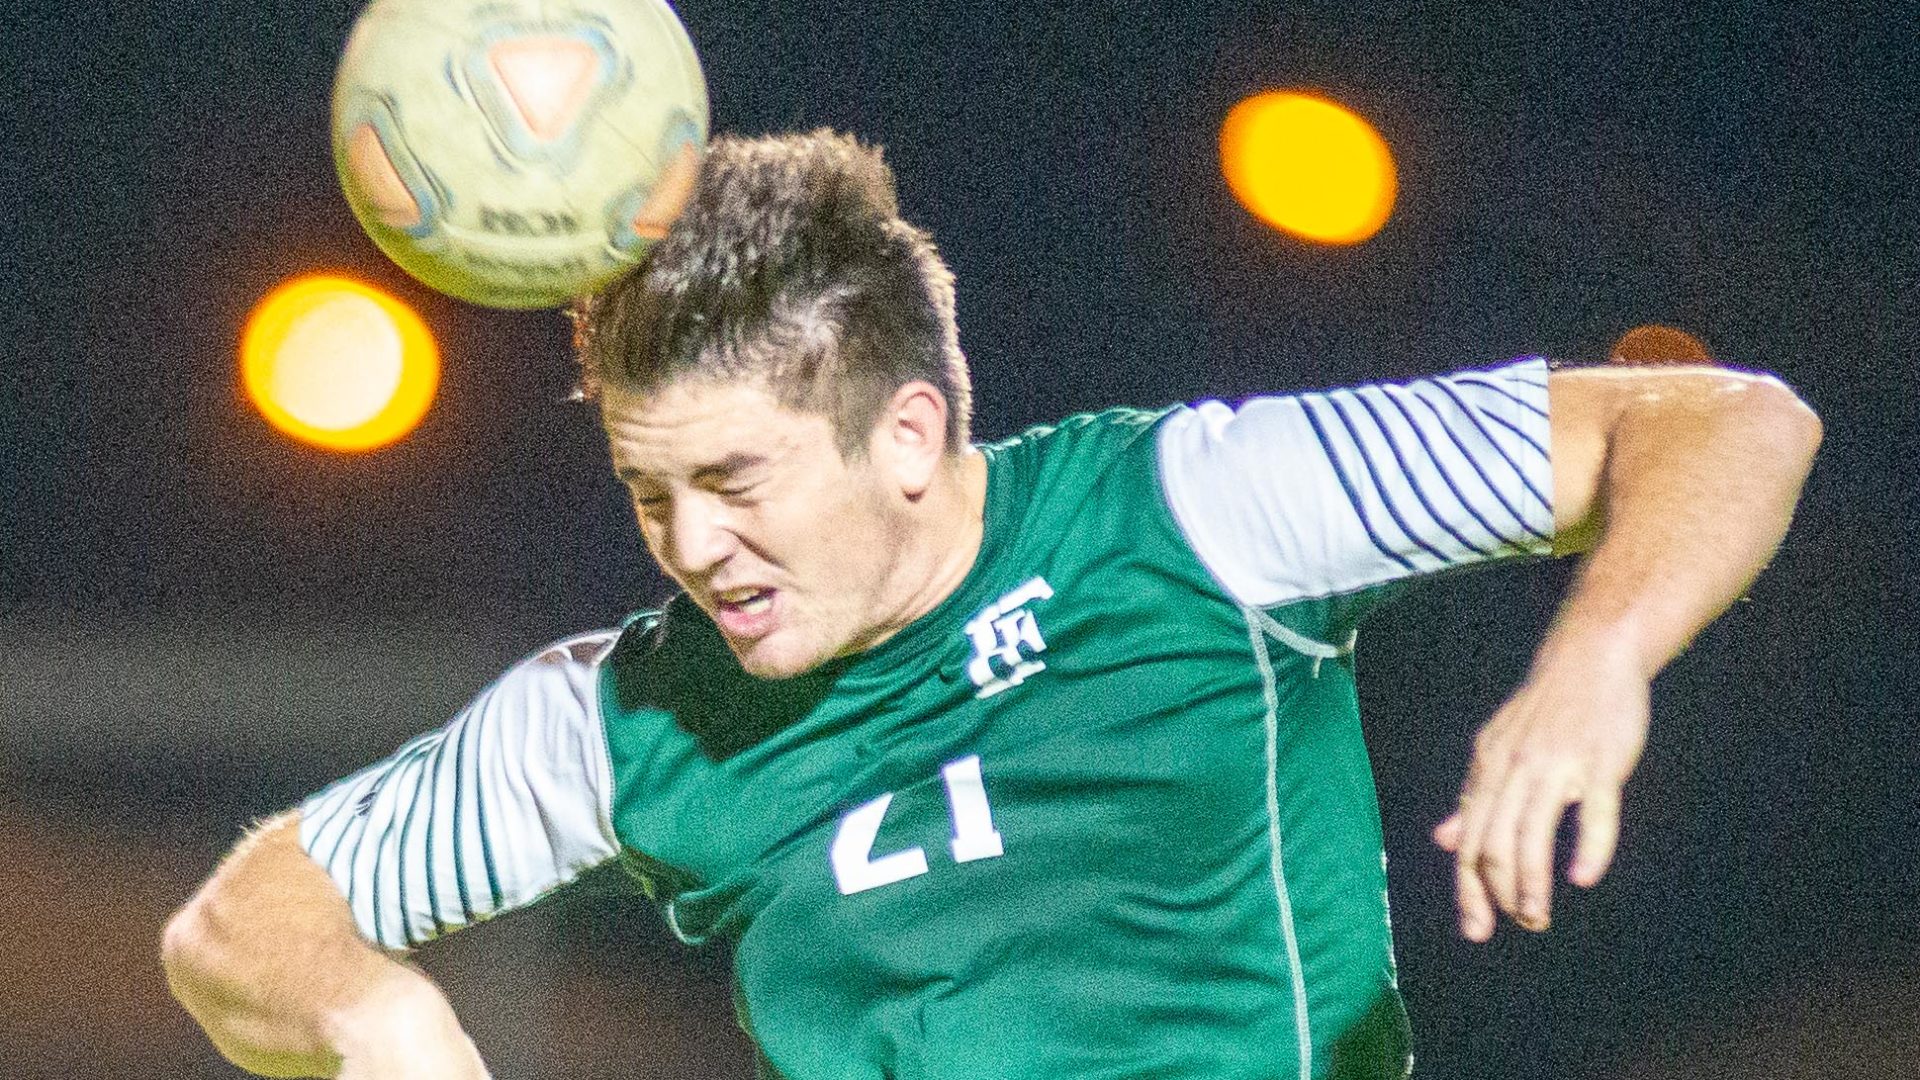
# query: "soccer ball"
{"type": "Point", "coordinates": [518, 153]}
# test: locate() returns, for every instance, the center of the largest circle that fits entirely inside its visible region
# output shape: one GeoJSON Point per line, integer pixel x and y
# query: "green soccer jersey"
{"type": "Point", "coordinates": [1104, 812]}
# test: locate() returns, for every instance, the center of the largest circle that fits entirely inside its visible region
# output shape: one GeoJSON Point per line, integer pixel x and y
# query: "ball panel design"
{"type": "Point", "coordinates": [518, 154]}
{"type": "Point", "coordinates": [644, 212]}
{"type": "Point", "coordinates": [372, 170]}
{"type": "Point", "coordinates": [549, 80]}
{"type": "Point", "coordinates": [539, 85]}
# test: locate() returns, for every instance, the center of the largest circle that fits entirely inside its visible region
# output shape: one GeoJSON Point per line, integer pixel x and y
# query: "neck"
{"type": "Point", "coordinates": [945, 530]}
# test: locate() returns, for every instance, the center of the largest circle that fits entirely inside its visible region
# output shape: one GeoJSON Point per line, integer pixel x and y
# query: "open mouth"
{"type": "Point", "coordinates": [746, 601]}
{"type": "Point", "coordinates": [745, 612]}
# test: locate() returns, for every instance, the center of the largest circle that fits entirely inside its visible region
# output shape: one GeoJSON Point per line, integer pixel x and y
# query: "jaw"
{"type": "Point", "coordinates": [766, 659]}
{"type": "Point", "coordinates": [799, 642]}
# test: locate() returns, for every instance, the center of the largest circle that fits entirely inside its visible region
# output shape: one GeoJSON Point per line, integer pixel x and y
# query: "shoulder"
{"type": "Point", "coordinates": [1059, 468]}
{"type": "Point", "coordinates": [1368, 430]}
{"type": "Point", "coordinates": [1319, 493]}
{"type": "Point", "coordinates": [520, 777]}
{"type": "Point", "coordinates": [561, 675]}
{"type": "Point", "coordinates": [1083, 441]}
{"type": "Point", "coordinates": [1319, 416]}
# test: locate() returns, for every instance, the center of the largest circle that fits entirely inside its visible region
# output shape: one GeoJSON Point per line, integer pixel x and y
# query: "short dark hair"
{"type": "Point", "coordinates": [789, 263]}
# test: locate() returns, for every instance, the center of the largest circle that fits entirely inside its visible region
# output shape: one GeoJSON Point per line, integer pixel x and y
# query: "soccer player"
{"type": "Point", "coordinates": [1037, 759]}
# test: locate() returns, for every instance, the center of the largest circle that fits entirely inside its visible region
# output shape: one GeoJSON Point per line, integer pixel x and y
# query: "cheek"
{"type": "Point", "coordinates": [841, 537]}
{"type": "Point", "coordinates": [865, 540]}
{"type": "Point", "coordinates": [650, 531]}
{"type": "Point", "coordinates": [657, 554]}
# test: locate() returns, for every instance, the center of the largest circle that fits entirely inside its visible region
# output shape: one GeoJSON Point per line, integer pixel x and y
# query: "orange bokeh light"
{"type": "Point", "coordinates": [338, 364]}
{"type": "Point", "coordinates": [1308, 166]}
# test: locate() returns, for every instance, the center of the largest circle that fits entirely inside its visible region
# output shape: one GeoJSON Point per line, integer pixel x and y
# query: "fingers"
{"type": "Point", "coordinates": [1497, 867]}
{"type": "Point", "coordinates": [1567, 736]}
{"type": "Point", "coordinates": [1499, 851]}
{"type": "Point", "coordinates": [1476, 903]}
{"type": "Point", "coordinates": [1533, 845]}
{"type": "Point", "coordinates": [1503, 838]}
{"type": "Point", "coordinates": [1475, 898]}
{"type": "Point", "coordinates": [1599, 833]}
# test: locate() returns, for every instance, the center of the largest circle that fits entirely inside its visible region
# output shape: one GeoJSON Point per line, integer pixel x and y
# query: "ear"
{"type": "Point", "coordinates": [911, 438]}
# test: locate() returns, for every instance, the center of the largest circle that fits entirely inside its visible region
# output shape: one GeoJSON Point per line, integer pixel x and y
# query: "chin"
{"type": "Point", "coordinates": [773, 658]}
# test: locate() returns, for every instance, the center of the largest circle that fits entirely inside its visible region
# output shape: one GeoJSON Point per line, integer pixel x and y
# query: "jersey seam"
{"type": "Point", "coordinates": [1306, 646]}
{"type": "Point", "coordinates": [1302, 1018]}
{"type": "Point", "coordinates": [605, 744]}
{"type": "Point", "coordinates": [604, 685]}
{"type": "Point", "coordinates": [1170, 519]}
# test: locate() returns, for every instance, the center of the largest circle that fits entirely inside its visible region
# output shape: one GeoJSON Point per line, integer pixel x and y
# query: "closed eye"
{"type": "Point", "coordinates": [735, 493]}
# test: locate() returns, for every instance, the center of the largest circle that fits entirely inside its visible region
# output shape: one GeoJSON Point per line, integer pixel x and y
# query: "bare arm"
{"type": "Point", "coordinates": [272, 961]}
{"type": "Point", "coordinates": [267, 958]}
{"type": "Point", "coordinates": [1680, 482]}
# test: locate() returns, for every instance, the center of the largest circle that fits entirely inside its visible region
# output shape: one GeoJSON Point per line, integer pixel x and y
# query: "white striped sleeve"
{"type": "Point", "coordinates": [499, 807]}
{"type": "Point", "coordinates": [1308, 495]}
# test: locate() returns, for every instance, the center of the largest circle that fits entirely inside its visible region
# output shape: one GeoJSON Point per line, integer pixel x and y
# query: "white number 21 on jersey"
{"type": "Point", "coordinates": [856, 870]}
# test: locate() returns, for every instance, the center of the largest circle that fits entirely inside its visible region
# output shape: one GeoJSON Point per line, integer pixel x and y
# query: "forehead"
{"type": "Point", "coordinates": [688, 426]}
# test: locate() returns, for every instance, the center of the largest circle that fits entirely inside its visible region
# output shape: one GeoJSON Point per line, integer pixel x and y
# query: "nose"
{"type": "Point", "coordinates": [699, 537]}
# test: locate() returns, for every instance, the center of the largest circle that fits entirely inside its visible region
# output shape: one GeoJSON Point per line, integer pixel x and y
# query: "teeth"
{"type": "Point", "coordinates": [751, 601]}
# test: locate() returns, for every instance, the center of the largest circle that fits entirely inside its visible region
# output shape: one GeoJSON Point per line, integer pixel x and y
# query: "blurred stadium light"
{"type": "Point", "coordinates": [338, 364]}
{"type": "Point", "coordinates": [1308, 166]}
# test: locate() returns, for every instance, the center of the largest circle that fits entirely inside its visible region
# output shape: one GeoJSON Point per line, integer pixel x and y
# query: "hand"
{"type": "Point", "coordinates": [405, 1031]}
{"type": "Point", "coordinates": [1571, 734]}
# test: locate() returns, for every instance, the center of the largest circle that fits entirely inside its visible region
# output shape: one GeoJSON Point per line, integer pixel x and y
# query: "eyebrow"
{"type": "Point", "coordinates": [737, 462]}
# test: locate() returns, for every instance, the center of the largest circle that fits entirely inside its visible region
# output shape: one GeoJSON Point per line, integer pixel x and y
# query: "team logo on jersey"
{"type": "Point", "coordinates": [1005, 639]}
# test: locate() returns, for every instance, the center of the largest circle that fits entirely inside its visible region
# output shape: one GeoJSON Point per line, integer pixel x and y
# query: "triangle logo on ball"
{"type": "Point", "coordinates": [549, 80]}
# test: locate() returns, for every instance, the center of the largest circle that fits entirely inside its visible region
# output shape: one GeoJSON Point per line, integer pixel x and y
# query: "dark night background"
{"type": "Point", "coordinates": [201, 621]}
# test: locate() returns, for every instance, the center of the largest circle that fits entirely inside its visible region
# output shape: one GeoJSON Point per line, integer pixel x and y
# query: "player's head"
{"type": "Point", "coordinates": [792, 267]}
{"type": "Point", "coordinates": [782, 388]}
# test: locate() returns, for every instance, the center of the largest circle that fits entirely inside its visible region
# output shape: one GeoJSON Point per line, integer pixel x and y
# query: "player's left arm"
{"type": "Point", "coordinates": [1678, 483]}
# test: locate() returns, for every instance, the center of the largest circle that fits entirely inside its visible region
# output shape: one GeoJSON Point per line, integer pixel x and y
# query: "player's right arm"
{"type": "Point", "coordinates": [291, 955]}
{"type": "Point", "coordinates": [267, 959]}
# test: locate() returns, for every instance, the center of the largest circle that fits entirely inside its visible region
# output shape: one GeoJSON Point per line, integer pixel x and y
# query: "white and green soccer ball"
{"type": "Point", "coordinates": [518, 153]}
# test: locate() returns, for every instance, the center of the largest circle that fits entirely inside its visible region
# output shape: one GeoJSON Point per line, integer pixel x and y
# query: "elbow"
{"type": "Point", "coordinates": [1807, 425]}
{"type": "Point", "coordinates": [188, 958]}
{"type": "Point", "coordinates": [183, 948]}
{"type": "Point", "coordinates": [216, 963]}
{"type": "Point", "coordinates": [1789, 421]}
{"type": "Point", "coordinates": [1768, 414]}
{"type": "Point", "coordinates": [197, 950]}
{"type": "Point", "coordinates": [200, 967]}
{"type": "Point", "coordinates": [207, 937]}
